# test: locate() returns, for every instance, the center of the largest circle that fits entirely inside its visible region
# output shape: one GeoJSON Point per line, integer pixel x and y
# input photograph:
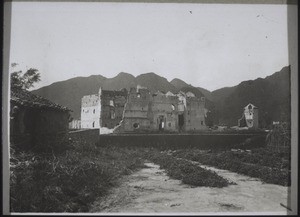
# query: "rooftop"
{"type": "Point", "coordinates": [26, 98]}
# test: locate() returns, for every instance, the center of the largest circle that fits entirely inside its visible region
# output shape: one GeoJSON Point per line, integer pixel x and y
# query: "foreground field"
{"type": "Point", "coordinates": [151, 190]}
{"type": "Point", "coordinates": [71, 180]}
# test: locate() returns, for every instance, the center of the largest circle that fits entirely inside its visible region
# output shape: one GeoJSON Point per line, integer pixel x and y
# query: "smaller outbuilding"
{"type": "Point", "coordinates": [33, 117]}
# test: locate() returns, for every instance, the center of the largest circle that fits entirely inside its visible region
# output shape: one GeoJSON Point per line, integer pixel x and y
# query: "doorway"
{"type": "Point", "coordinates": [161, 122]}
{"type": "Point", "coordinates": [180, 121]}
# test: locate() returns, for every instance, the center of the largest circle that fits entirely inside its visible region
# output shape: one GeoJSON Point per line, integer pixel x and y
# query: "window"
{"type": "Point", "coordinates": [93, 124]}
{"type": "Point", "coordinates": [201, 122]}
{"type": "Point", "coordinates": [111, 103]}
{"type": "Point", "coordinates": [136, 125]}
{"type": "Point", "coordinates": [94, 111]}
{"type": "Point", "coordinates": [173, 107]}
{"type": "Point", "coordinates": [112, 114]}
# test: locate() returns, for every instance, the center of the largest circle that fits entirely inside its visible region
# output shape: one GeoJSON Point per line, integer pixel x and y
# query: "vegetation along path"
{"type": "Point", "coordinates": [150, 190]}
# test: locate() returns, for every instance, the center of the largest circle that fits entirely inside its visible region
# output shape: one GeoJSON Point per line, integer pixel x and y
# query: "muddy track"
{"type": "Point", "coordinates": [150, 190]}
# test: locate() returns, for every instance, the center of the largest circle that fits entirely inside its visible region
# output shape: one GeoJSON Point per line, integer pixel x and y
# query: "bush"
{"type": "Point", "coordinates": [188, 172]}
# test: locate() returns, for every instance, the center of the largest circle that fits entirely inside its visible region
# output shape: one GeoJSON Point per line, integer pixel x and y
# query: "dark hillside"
{"type": "Point", "coordinates": [69, 93]}
{"type": "Point", "coordinates": [122, 80]}
{"type": "Point", "coordinates": [271, 95]}
{"type": "Point", "coordinates": [154, 82]}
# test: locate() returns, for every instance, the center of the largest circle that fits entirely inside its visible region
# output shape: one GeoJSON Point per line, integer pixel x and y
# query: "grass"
{"type": "Point", "coordinates": [68, 182]}
{"type": "Point", "coordinates": [187, 172]}
{"type": "Point", "coordinates": [72, 180]}
{"type": "Point", "coordinates": [72, 177]}
{"type": "Point", "coordinates": [264, 163]}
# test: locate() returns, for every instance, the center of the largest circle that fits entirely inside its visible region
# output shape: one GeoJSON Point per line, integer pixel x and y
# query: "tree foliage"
{"type": "Point", "coordinates": [24, 80]}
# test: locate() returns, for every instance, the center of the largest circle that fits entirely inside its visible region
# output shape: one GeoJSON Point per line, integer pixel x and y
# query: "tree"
{"type": "Point", "coordinates": [24, 80]}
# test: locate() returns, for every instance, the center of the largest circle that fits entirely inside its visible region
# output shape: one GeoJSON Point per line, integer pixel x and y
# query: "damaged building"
{"type": "Point", "coordinates": [249, 117]}
{"type": "Point", "coordinates": [104, 109]}
{"type": "Point", "coordinates": [139, 110]}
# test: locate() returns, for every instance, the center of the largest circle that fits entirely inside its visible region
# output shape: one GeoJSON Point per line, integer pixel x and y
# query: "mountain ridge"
{"type": "Point", "coordinates": [69, 92]}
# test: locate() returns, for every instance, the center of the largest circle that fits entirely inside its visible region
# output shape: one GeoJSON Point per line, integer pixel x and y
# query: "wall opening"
{"type": "Point", "coordinates": [161, 125]}
{"type": "Point", "coordinates": [180, 121]}
{"type": "Point", "coordinates": [111, 103]}
{"type": "Point", "coordinates": [112, 114]}
{"type": "Point", "coordinates": [136, 125]}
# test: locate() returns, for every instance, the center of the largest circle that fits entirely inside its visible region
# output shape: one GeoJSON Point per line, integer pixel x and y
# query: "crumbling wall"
{"type": "Point", "coordinates": [255, 118]}
{"type": "Point", "coordinates": [137, 111]}
{"type": "Point", "coordinates": [112, 107]}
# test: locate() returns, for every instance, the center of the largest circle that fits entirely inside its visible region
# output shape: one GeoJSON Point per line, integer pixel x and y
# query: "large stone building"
{"type": "Point", "coordinates": [139, 110]}
{"type": "Point", "coordinates": [104, 109]}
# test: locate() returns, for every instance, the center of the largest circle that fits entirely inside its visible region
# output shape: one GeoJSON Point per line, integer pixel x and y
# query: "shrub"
{"type": "Point", "coordinates": [264, 163]}
{"type": "Point", "coordinates": [188, 172]}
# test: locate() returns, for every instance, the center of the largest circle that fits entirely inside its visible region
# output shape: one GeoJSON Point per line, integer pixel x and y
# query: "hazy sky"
{"type": "Point", "coordinates": [206, 45]}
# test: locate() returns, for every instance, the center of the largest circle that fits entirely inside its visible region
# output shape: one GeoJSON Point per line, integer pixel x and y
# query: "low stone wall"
{"type": "Point", "coordinates": [177, 141]}
{"type": "Point", "coordinates": [85, 135]}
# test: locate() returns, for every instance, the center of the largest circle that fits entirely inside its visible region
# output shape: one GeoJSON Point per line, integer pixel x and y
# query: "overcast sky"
{"type": "Point", "coordinates": [206, 45]}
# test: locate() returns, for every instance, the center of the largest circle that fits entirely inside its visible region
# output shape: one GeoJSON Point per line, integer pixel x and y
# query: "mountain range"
{"type": "Point", "coordinates": [271, 94]}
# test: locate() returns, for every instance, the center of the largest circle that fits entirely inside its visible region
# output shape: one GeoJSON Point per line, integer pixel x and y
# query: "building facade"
{"type": "Point", "coordinates": [75, 124]}
{"type": "Point", "coordinates": [90, 112]}
{"type": "Point", "coordinates": [194, 114]}
{"type": "Point", "coordinates": [112, 107]}
{"type": "Point", "coordinates": [104, 109]}
{"type": "Point", "coordinates": [250, 117]}
{"type": "Point", "coordinates": [139, 110]}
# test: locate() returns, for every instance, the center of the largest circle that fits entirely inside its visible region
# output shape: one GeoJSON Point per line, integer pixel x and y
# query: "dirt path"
{"type": "Point", "coordinates": [150, 190]}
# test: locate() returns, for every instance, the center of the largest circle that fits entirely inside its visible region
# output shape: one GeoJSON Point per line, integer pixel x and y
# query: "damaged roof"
{"type": "Point", "coordinates": [26, 98]}
{"type": "Point", "coordinates": [113, 93]}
